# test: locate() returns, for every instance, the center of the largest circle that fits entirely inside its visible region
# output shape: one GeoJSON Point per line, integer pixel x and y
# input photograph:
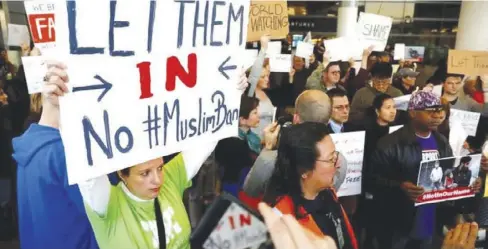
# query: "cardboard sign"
{"type": "Point", "coordinates": [268, 17]}
{"type": "Point", "coordinates": [472, 63]}
{"type": "Point", "coordinates": [40, 15]}
{"type": "Point", "coordinates": [351, 145]}
{"type": "Point", "coordinates": [447, 178]}
{"type": "Point", "coordinates": [469, 120]}
{"type": "Point", "coordinates": [141, 88]}
{"type": "Point", "coordinates": [304, 50]}
{"type": "Point", "coordinates": [280, 63]}
{"type": "Point", "coordinates": [18, 35]}
{"type": "Point", "coordinates": [35, 69]}
{"type": "Point", "coordinates": [374, 30]}
{"type": "Point", "coordinates": [399, 53]}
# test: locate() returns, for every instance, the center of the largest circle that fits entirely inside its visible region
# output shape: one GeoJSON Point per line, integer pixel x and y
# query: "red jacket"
{"type": "Point", "coordinates": [286, 206]}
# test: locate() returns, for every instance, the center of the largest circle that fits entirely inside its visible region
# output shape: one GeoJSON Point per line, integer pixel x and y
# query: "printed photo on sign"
{"type": "Point", "coordinates": [148, 89]}
{"type": "Point", "coordinates": [351, 146]}
{"type": "Point", "coordinates": [413, 53]}
{"type": "Point", "coordinates": [40, 16]}
{"type": "Point", "coordinates": [448, 178]}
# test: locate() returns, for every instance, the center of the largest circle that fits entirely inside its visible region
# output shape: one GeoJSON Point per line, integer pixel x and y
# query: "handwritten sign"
{"type": "Point", "coordinates": [268, 17]}
{"type": "Point", "coordinates": [35, 70]}
{"type": "Point", "coordinates": [237, 229]}
{"type": "Point", "coordinates": [469, 120]}
{"type": "Point", "coordinates": [473, 63]}
{"type": "Point", "coordinates": [40, 15]}
{"type": "Point", "coordinates": [18, 35]}
{"type": "Point", "coordinates": [148, 88]}
{"type": "Point", "coordinates": [374, 30]}
{"type": "Point", "coordinates": [351, 145]}
{"type": "Point", "coordinates": [280, 63]}
{"type": "Point", "coordinates": [401, 103]}
{"type": "Point", "coordinates": [304, 50]}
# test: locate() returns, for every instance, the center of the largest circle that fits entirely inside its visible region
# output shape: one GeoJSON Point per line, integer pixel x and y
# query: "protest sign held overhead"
{"type": "Point", "coordinates": [351, 146]}
{"type": "Point", "coordinates": [472, 63]}
{"type": "Point", "coordinates": [374, 30]}
{"type": "Point", "coordinates": [468, 120]}
{"type": "Point", "coordinates": [268, 17]}
{"type": "Point", "coordinates": [448, 178]}
{"type": "Point", "coordinates": [40, 15]}
{"type": "Point", "coordinates": [147, 88]}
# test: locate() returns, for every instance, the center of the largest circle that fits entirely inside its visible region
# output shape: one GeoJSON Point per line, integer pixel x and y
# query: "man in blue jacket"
{"type": "Point", "coordinates": [51, 212]}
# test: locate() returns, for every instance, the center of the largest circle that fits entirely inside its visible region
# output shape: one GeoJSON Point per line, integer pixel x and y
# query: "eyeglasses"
{"type": "Point", "coordinates": [383, 82]}
{"type": "Point", "coordinates": [333, 160]}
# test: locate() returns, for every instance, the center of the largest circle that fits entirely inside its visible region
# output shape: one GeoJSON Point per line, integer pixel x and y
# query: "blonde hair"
{"type": "Point", "coordinates": [36, 103]}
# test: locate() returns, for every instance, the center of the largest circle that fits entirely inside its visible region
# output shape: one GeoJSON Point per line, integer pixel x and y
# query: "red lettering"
{"type": "Point", "coordinates": [42, 28]}
{"type": "Point", "coordinates": [231, 220]}
{"type": "Point", "coordinates": [245, 219]}
{"type": "Point", "coordinates": [145, 79]}
{"type": "Point", "coordinates": [174, 68]}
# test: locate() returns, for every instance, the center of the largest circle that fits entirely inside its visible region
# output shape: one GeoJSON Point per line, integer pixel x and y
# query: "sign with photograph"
{"type": "Point", "coordinates": [448, 178]}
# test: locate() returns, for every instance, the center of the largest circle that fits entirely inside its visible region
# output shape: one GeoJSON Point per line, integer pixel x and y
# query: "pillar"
{"type": "Point", "coordinates": [347, 17]}
{"type": "Point", "coordinates": [473, 21]}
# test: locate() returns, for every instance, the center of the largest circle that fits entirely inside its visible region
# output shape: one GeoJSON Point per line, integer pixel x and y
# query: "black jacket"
{"type": "Point", "coordinates": [397, 159]}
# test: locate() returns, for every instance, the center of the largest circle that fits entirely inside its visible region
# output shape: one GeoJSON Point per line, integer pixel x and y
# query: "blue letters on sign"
{"type": "Point", "coordinates": [215, 23]}
{"type": "Point", "coordinates": [240, 14]}
{"type": "Point", "coordinates": [200, 25]}
{"type": "Point", "coordinates": [116, 24]}
{"type": "Point", "coordinates": [73, 39]}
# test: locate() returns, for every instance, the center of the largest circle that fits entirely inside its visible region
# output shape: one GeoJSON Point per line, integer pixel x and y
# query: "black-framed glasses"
{"type": "Point", "coordinates": [333, 160]}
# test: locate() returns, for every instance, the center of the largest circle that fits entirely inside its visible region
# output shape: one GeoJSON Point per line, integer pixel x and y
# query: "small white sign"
{"type": "Point", "coordinates": [273, 48]}
{"type": "Point", "coordinates": [399, 51]}
{"type": "Point", "coordinates": [18, 35]}
{"type": "Point", "coordinates": [395, 128]}
{"type": "Point", "coordinates": [304, 50]}
{"type": "Point", "coordinates": [280, 63]}
{"type": "Point", "coordinates": [401, 103]}
{"type": "Point", "coordinates": [249, 57]}
{"type": "Point", "coordinates": [35, 69]}
{"type": "Point", "coordinates": [469, 120]}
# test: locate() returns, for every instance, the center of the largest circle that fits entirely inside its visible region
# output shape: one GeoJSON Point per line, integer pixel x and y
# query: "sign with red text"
{"type": "Point", "coordinates": [373, 30]}
{"type": "Point", "coordinates": [448, 178]}
{"type": "Point", "coordinates": [351, 146]}
{"type": "Point", "coordinates": [268, 17]}
{"type": "Point", "coordinates": [237, 229]}
{"type": "Point", "coordinates": [141, 88]}
{"type": "Point", "coordinates": [40, 16]}
{"type": "Point", "coordinates": [472, 63]}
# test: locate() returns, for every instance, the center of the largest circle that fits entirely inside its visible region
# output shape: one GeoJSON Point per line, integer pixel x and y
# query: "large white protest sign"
{"type": "Point", "coordinates": [374, 30]}
{"type": "Point", "coordinates": [351, 145]}
{"type": "Point", "coordinates": [40, 15]}
{"type": "Point", "coordinates": [280, 63]}
{"type": "Point", "coordinates": [141, 88]}
{"type": "Point", "coordinates": [469, 120]}
{"type": "Point", "coordinates": [18, 35]}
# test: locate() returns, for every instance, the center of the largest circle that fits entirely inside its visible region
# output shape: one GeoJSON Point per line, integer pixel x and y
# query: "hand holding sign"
{"type": "Point", "coordinates": [56, 82]}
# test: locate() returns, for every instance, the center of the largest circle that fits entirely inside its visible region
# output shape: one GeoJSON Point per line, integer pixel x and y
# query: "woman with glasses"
{"type": "Point", "coordinates": [302, 183]}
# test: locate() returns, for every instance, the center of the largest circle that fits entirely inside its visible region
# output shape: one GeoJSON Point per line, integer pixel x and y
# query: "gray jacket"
{"type": "Point", "coordinates": [363, 99]}
{"type": "Point", "coordinates": [315, 80]}
{"type": "Point", "coordinates": [466, 103]}
{"type": "Point", "coordinates": [260, 173]}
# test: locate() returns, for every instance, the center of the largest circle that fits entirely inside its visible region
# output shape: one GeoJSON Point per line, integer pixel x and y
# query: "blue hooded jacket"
{"type": "Point", "coordinates": [51, 213]}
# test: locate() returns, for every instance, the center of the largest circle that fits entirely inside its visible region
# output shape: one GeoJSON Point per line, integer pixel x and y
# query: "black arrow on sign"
{"type": "Point", "coordinates": [106, 86]}
{"type": "Point", "coordinates": [223, 68]}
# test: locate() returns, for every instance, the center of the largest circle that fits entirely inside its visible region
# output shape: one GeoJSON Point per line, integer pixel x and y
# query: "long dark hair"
{"type": "Point", "coordinates": [297, 154]}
